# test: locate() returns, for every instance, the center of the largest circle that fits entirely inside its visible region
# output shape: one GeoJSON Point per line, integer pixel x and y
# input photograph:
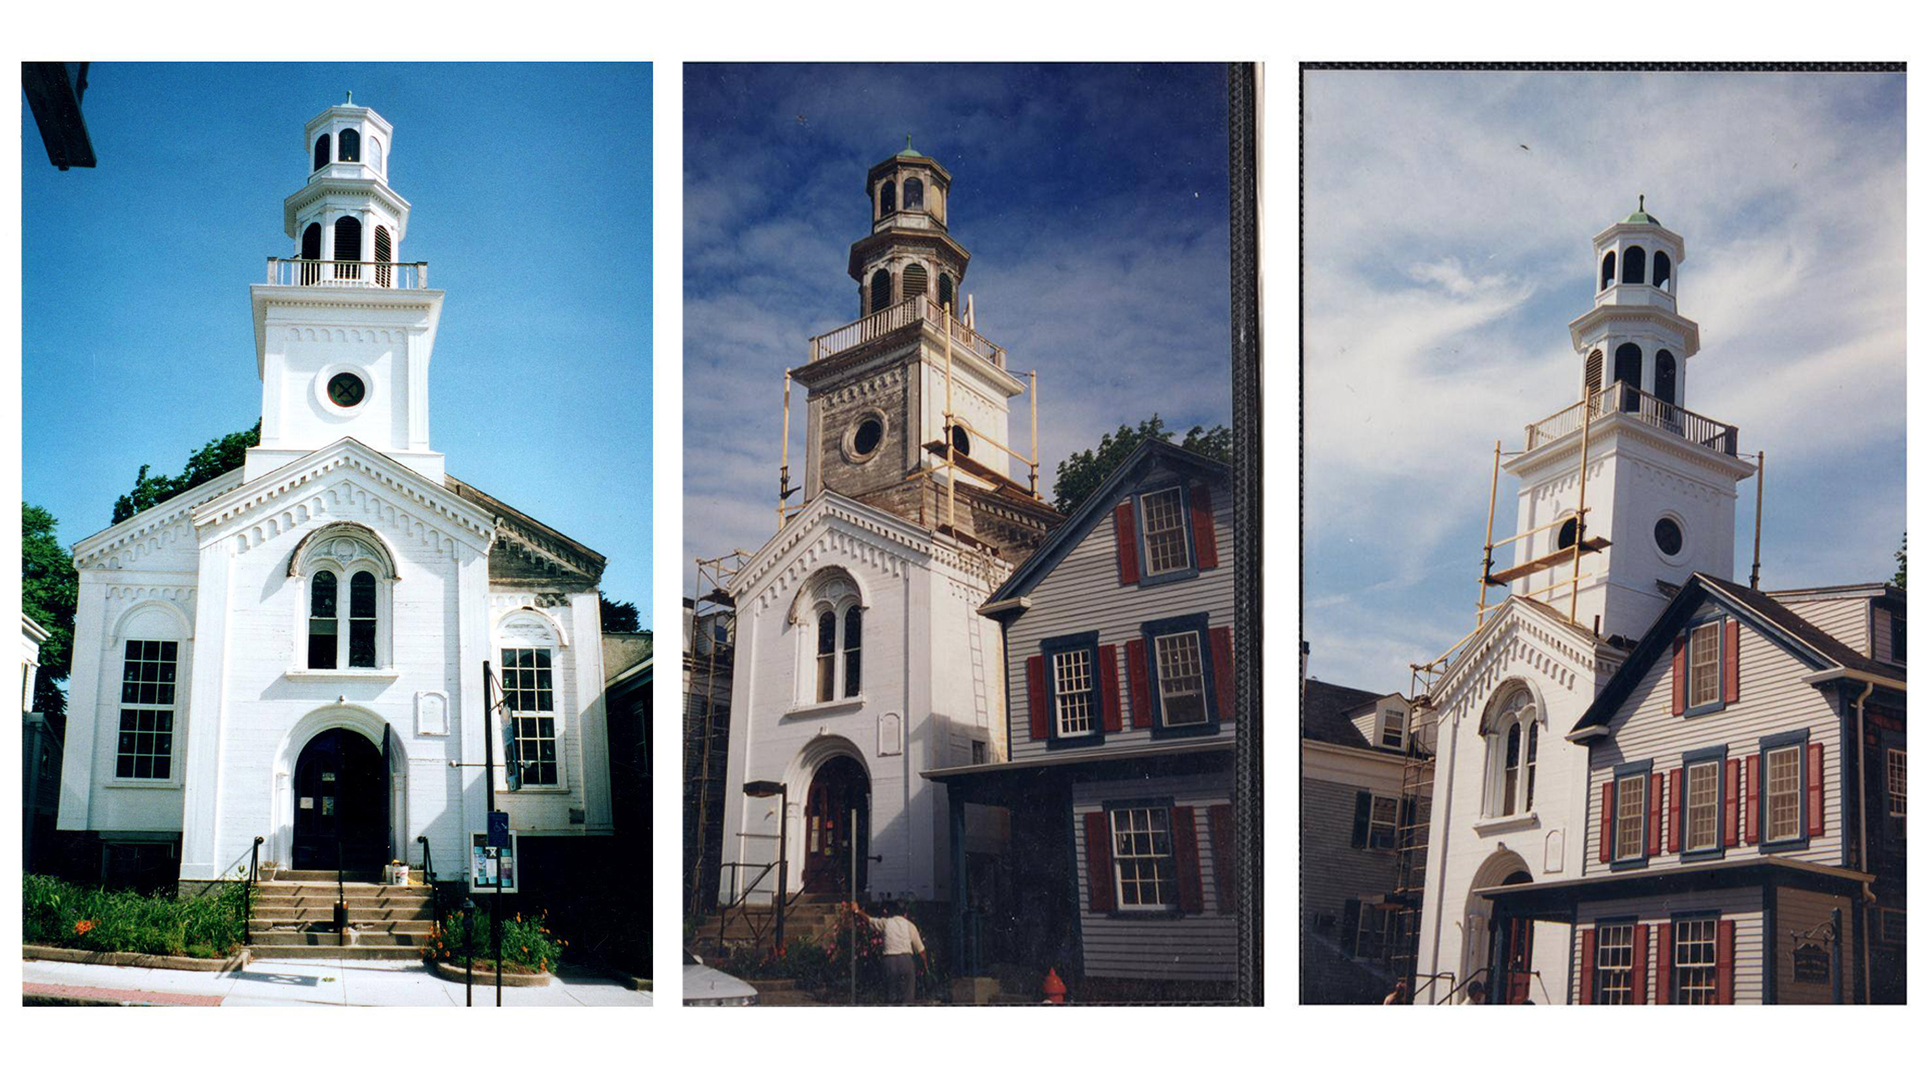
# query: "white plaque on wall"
{"type": "Point", "coordinates": [430, 712]}
{"type": "Point", "coordinates": [1556, 857]}
{"type": "Point", "coordinates": [889, 734]}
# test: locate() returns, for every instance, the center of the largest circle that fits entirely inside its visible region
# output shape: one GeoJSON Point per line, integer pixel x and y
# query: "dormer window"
{"type": "Point", "coordinates": [1393, 728]}
{"type": "Point", "coordinates": [1166, 532]}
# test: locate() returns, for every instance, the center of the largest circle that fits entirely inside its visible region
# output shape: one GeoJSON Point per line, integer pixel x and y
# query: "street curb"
{"type": "Point", "coordinates": [454, 973]}
{"type": "Point", "coordinates": [139, 960]}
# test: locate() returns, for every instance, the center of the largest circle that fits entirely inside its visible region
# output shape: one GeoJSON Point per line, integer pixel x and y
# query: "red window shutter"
{"type": "Point", "coordinates": [1588, 967]}
{"type": "Point", "coordinates": [1220, 639]}
{"type": "Point", "coordinates": [1730, 662]}
{"type": "Point", "coordinates": [1606, 822]}
{"type": "Point", "coordinates": [1186, 860]}
{"type": "Point", "coordinates": [1640, 964]}
{"type": "Point", "coordinates": [1679, 675]}
{"type": "Point", "coordinates": [1220, 832]}
{"type": "Point", "coordinates": [1654, 803]}
{"type": "Point", "coordinates": [1038, 726]}
{"type": "Point", "coordinates": [1676, 815]}
{"type": "Point", "coordinates": [1755, 781]}
{"type": "Point", "coordinates": [1137, 685]}
{"type": "Point", "coordinates": [1110, 687]}
{"type": "Point", "coordinates": [1816, 790]}
{"type": "Point", "coordinates": [1205, 553]}
{"type": "Point", "coordinates": [1723, 963]}
{"type": "Point", "coordinates": [1730, 803]}
{"type": "Point", "coordinates": [1099, 852]}
{"type": "Point", "coordinates": [1123, 540]}
{"type": "Point", "coordinates": [1663, 964]}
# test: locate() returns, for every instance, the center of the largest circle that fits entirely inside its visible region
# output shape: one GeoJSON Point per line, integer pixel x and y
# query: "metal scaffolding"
{"type": "Point", "coordinates": [707, 680]}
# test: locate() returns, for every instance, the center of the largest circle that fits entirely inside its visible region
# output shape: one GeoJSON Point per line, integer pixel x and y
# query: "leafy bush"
{"type": "Point", "coordinates": [60, 913]}
{"type": "Point", "coordinates": [526, 945]}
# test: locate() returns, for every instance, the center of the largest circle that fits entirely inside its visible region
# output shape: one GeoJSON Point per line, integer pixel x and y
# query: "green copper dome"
{"type": "Point", "coordinates": [909, 151]}
{"type": "Point", "coordinates": [1638, 217]}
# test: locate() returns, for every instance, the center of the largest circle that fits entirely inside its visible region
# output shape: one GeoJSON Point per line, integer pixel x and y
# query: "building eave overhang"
{"type": "Point", "coordinates": [852, 362]}
{"type": "Point", "coordinates": [1547, 899]}
{"type": "Point", "coordinates": [1581, 329]}
{"type": "Point", "coordinates": [370, 187]}
{"type": "Point", "coordinates": [1578, 641]}
{"type": "Point", "coordinates": [905, 538]}
{"type": "Point", "coordinates": [1159, 750]}
{"type": "Point", "coordinates": [1847, 674]}
{"type": "Point", "coordinates": [1627, 430]}
{"type": "Point", "coordinates": [323, 297]}
{"type": "Point", "coordinates": [1607, 235]}
{"type": "Point", "coordinates": [147, 521]}
{"type": "Point", "coordinates": [897, 236]}
{"type": "Point", "coordinates": [896, 161]}
{"type": "Point", "coordinates": [568, 556]}
{"type": "Point", "coordinates": [1374, 754]}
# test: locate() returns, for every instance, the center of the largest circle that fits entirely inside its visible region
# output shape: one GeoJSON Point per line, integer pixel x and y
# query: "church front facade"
{"type": "Point", "coordinates": [296, 655]}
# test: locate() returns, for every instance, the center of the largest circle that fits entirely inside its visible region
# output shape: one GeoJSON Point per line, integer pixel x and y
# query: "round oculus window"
{"type": "Point", "coordinates": [1666, 534]}
{"type": "Point", "coordinates": [346, 390]}
{"type": "Point", "coordinates": [866, 437]}
{"type": "Point", "coordinates": [961, 442]}
{"type": "Point", "coordinates": [1565, 536]}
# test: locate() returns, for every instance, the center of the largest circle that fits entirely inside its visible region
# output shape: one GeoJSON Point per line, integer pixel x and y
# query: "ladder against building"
{"type": "Point", "coordinates": [708, 699]}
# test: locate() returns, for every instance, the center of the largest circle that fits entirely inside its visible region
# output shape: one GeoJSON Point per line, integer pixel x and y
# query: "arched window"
{"type": "Point", "coordinates": [913, 281]}
{"type": "Point", "coordinates": [881, 291]}
{"type": "Point", "coordinates": [323, 622]}
{"type": "Point", "coordinates": [1606, 272]}
{"type": "Point", "coordinates": [321, 148]}
{"type": "Point", "coordinates": [349, 144]}
{"type": "Point", "coordinates": [362, 619]}
{"type": "Point", "coordinates": [383, 255]}
{"type": "Point", "coordinates": [912, 194]}
{"type": "Point", "coordinates": [886, 198]}
{"type": "Point", "coordinates": [824, 651]}
{"type": "Point", "coordinates": [1626, 369]}
{"type": "Point", "coordinates": [1662, 271]}
{"type": "Point", "coordinates": [1533, 758]}
{"type": "Point", "coordinates": [1666, 377]}
{"type": "Point", "coordinates": [346, 248]}
{"type": "Point", "coordinates": [530, 649]}
{"type": "Point", "coordinates": [1633, 267]}
{"type": "Point", "coordinates": [1513, 732]}
{"type": "Point", "coordinates": [946, 291]}
{"type": "Point", "coordinates": [310, 254]}
{"type": "Point", "coordinates": [374, 158]}
{"type": "Point", "coordinates": [1510, 772]}
{"type": "Point", "coordinates": [1596, 362]}
{"type": "Point", "coordinates": [850, 654]}
{"type": "Point", "coordinates": [1569, 530]}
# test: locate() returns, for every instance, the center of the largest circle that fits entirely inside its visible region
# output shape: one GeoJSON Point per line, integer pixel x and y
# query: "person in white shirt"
{"type": "Point", "coordinates": [900, 948]}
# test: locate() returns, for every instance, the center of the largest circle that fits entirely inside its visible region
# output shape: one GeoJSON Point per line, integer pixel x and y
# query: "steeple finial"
{"type": "Point", "coordinates": [909, 140]}
{"type": "Point", "coordinates": [1643, 198]}
{"type": "Point", "coordinates": [349, 97]}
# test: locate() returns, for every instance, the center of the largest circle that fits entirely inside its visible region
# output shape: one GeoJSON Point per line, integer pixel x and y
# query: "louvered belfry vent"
{"type": "Point", "coordinates": [383, 256]}
{"type": "Point", "coordinates": [346, 247]}
{"type": "Point", "coordinates": [913, 282]}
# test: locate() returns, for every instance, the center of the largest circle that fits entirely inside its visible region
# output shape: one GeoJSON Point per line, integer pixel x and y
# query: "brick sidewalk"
{"type": "Point", "coordinates": [59, 993]}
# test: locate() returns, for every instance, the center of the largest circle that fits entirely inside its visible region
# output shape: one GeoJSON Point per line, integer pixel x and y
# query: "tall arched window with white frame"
{"type": "Point", "coordinates": [1513, 732]}
{"type": "Point", "coordinates": [829, 613]}
{"type": "Point", "coordinates": [826, 630]}
{"type": "Point", "coordinates": [349, 574]}
{"type": "Point", "coordinates": [532, 673]}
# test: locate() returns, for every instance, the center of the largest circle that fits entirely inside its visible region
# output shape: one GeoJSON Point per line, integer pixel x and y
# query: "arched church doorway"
{"type": "Point", "coordinates": [340, 804]}
{"type": "Point", "coordinates": [1519, 949]}
{"type": "Point", "coordinates": [839, 789]}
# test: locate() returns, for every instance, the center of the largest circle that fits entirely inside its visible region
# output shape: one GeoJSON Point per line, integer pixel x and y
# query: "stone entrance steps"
{"type": "Point", "coordinates": [293, 918]}
{"type": "Point", "coordinates": [811, 918]}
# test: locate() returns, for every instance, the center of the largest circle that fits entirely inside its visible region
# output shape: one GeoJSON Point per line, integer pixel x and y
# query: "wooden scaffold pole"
{"type": "Point", "coordinates": [1486, 561]}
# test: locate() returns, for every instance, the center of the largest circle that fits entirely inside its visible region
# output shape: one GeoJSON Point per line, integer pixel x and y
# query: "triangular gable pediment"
{"type": "Point", "coordinates": [1537, 638]}
{"type": "Point", "coordinates": [836, 530]}
{"type": "Point", "coordinates": [376, 485]}
{"type": "Point", "coordinates": [119, 546]}
{"type": "Point", "coordinates": [530, 554]}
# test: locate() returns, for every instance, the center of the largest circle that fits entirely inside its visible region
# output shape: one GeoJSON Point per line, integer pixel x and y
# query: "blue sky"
{"type": "Point", "coordinates": [532, 197]}
{"type": "Point", "coordinates": [1447, 229]}
{"type": "Point", "coordinates": [1093, 199]}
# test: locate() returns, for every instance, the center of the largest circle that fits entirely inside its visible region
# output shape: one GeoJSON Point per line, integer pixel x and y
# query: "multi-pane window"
{"type": "Point", "coordinates": [1166, 531]}
{"type": "Point", "coordinates": [1183, 698]}
{"type": "Point", "coordinates": [360, 620]}
{"type": "Point", "coordinates": [1143, 857]}
{"type": "Point", "coordinates": [1370, 936]}
{"type": "Point", "coordinates": [1383, 821]}
{"type": "Point", "coordinates": [526, 682]}
{"type": "Point", "coordinates": [1897, 784]}
{"type": "Point", "coordinates": [323, 622]}
{"type": "Point", "coordinates": [1613, 964]}
{"type": "Point", "coordinates": [1783, 793]}
{"type": "Point", "coordinates": [1703, 665]}
{"type": "Point", "coordinates": [1630, 818]}
{"type": "Point", "coordinates": [1510, 772]}
{"type": "Point", "coordinates": [147, 685]}
{"type": "Point", "coordinates": [1533, 758]}
{"type": "Point", "coordinates": [1393, 729]}
{"type": "Point", "coordinates": [1693, 961]}
{"type": "Point", "coordinates": [823, 657]}
{"type": "Point", "coordinates": [1703, 806]}
{"type": "Point", "coordinates": [850, 653]}
{"type": "Point", "coordinates": [1073, 691]}
{"type": "Point", "coordinates": [362, 603]}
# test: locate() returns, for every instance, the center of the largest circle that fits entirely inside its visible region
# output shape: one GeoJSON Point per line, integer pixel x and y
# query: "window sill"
{"type": "Point", "coordinates": [358, 674]}
{"type": "Point", "coordinates": [149, 785]}
{"type": "Point", "coordinates": [1510, 823]}
{"type": "Point", "coordinates": [836, 705]}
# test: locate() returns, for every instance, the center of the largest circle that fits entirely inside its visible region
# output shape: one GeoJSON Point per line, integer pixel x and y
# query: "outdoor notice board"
{"type": "Point", "coordinates": [491, 863]}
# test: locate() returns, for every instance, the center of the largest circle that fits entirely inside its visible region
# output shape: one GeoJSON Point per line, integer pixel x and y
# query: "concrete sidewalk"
{"type": "Point", "coordinates": [309, 982]}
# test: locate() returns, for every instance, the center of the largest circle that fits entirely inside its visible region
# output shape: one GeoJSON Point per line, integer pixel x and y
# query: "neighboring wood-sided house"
{"type": "Point", "coordinates": [1746, 804]}
{"type": "Point", "coordinates": [1118, 635]}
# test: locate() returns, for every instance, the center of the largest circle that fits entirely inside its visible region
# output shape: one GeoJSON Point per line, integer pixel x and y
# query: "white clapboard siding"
{"type": "Point", "coordinates": [1883, 637]}
{"type": "Point", "coordinates": [1083, 593]}
{"type": "Point", "coordinates": [1743, 906]}
{"type": "Point", "coordinates": [1197, 946]}
{"type": "Point", "coordinates": [1800, 911]}
{"type": "Point", "coordinates": [1846, 619]}
{"type": "Point", "coordinates": [1773, 700]}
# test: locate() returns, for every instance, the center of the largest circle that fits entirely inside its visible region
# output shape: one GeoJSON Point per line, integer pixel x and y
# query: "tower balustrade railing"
{"type": "Point", "coordinates": [1631, 402]}
{"type": "Point", "coordinates": [917, 309]}
{"type": "Point", "coordinates": [346, 273]}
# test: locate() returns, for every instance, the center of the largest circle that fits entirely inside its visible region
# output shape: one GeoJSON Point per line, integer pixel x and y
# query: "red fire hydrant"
{"type": "Point", "coordinates": [1053, 989]}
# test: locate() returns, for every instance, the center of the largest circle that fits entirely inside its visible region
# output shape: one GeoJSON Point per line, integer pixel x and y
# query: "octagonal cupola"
{"type": "Point", "coordinates": [347, 222]}
{"type": "Point", "coordinates": [1634, 333]}
{"type": "Point", "coordinates": [907, 253]}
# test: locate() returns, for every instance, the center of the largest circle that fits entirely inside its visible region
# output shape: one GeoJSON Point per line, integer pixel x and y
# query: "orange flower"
{"type": "Point", "coordinates": [83, 926]}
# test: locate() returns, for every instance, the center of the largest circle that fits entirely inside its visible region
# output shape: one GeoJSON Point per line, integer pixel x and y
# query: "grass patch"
{"type": "Point", "coordinates": [69, 916]}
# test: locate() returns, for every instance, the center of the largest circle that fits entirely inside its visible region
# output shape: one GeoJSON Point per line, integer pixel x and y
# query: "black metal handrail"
{"type": "Point", "coordinates": [426, 871]}
{"type": "Point", "coordinates": [253, 879]}
{"type": "Point", "coordinates": [740, 896]}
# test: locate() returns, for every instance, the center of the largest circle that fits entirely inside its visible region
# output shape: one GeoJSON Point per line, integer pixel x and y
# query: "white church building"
{"type": "Point", "coordinates": [862, 661]}
{"type": "Point", "coordinates": [294, 650]}
{"type": "Point", "coordinates": [1510, 798]}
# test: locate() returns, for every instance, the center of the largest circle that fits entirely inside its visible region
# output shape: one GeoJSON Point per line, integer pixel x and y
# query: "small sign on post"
{"type": "Point", "coordinates": [497, 832]}
{"type": "Point", "coordinates": [496, 864]}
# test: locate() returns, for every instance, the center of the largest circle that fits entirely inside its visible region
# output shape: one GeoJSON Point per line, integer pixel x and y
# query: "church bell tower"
{"type": "Point", "coordinates": [1659, 477]}
{"type": "Point", "coordinates": [344, 330]}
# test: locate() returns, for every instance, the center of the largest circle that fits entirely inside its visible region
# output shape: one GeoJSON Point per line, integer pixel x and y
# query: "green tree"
{"type": "Point", "coordinates": [49, 592]}
{"type": "Point", "coordinates": [1900, 575]}
{"type": "Point", "coordinates": [618, 616]}
{"type": "Point", "coordinates": [1082, 472]}
{"type": "Point", "coordinates": [221, 456]}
